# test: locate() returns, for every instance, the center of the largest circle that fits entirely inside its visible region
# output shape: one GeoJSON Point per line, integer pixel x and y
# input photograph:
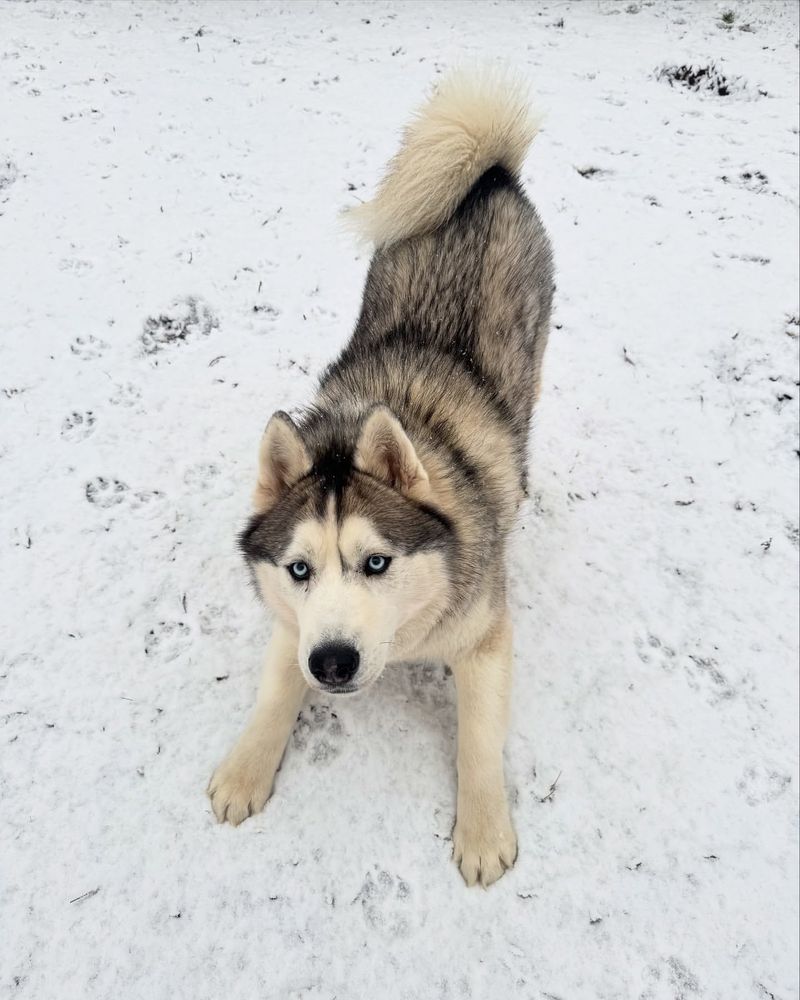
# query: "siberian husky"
{"type": "Point", "coordinates": [381, 516]}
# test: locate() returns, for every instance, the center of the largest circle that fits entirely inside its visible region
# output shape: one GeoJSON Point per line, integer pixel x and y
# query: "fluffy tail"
{"type": "Point", "coordinates": [472, 122]}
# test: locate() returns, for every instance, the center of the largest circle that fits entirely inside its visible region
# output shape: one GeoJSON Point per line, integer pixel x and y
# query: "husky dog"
{"type": "Point", "coordinates": [381, 517]}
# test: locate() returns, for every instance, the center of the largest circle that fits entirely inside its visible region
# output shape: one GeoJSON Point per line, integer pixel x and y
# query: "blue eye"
{"type": "Point", "coordinates": [376, 565]}
{"type": "Point", "coordinates": [299, 571]}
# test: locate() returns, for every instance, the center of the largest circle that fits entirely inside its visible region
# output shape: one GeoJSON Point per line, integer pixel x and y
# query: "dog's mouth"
{"type": "Point", "coordinates": [343, 689]}
{"type": "Point", "coordinates": [339, 690]}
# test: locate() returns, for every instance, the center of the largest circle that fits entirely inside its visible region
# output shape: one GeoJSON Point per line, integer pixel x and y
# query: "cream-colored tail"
{"type": "Point", "coordinates": [473, 121]}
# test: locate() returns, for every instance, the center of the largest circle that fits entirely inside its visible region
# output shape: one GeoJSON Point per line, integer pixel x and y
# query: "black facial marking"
{"type": "Point", "coordinates": [267, 534]}
{"type": "Point", "coordinates": [330, 473]}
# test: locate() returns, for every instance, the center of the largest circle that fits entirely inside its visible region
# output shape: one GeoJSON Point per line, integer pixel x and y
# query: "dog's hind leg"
{"type": "Point", "coordinates": [242, 783]}
{"type": "Point", "coordinates": [484, 842]}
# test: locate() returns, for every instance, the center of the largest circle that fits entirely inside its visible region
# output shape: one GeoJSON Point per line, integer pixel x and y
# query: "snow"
{"type": "Point", "coordinates": [172, 270]}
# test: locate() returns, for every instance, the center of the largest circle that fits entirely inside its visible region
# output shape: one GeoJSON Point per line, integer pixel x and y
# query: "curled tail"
{"type": "Point", "coordinates": [472, 122]}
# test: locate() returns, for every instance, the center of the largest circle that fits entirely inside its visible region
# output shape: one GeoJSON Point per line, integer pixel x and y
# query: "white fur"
{"type": "Point", "coordinates": [473, 121]}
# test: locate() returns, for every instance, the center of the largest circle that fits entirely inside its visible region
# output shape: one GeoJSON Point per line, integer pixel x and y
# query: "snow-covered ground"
{"type": "Point", "coordinates": [171, 271]}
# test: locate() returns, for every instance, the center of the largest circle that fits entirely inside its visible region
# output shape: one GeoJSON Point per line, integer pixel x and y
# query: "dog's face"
{"type": "Point", "coordinates": [349, 590]}
{"type": "Point", "coordinates": [345, 549]}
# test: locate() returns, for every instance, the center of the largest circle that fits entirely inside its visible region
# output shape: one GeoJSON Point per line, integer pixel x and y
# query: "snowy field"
{"type": "Point", "coordinates": [171, 271]}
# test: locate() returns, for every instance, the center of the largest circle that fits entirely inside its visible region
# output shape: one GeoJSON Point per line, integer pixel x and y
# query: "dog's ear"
{"type": "Point", "coordinates": [385, 452]}
{"type": "Point", "coordinates": [282, 460]}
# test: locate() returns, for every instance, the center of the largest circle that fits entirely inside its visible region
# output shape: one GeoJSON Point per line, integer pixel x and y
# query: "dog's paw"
{"type": "Point", "coordinates": [484, 845]}
{"type": "Point", "coordinates": [239, 787]}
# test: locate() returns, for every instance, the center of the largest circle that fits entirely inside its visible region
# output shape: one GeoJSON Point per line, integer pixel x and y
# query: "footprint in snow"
{"type": "Point", "coordinates": [386, 903]}
{"type": "Point", "coordinates": [126, 394]}
{"type": "Point", "coordinates": [78, 426]}
{"type": "Point", "coordinates": [88, 348]}
{"type": "Point", "coordinates": [105, 493]}
{"type": "Point", "coordinates": [185, 321]}
{"type": "Point", "coordinates": [653, 650]}
{"type": "Point", "coordinates": [760, 784]}
{"type": "Point", "coordinates": [167, 640]}
{"type": "Point", "coordinates": [216, 619]}
{"type": "Point", "coordinates": [8, 174]}
{"type": "Point", "coordinates": [318, 732]}
{"type": "Point", "coordinates": [201, 476]}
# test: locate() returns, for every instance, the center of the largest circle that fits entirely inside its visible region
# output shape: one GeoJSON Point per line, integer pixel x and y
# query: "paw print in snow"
{"type": "Point", "coordinates": [705, 675]}
{"type": "Point", "coordinates": [77, 426]}
{"type": "Point", "coordinates": [8, 174]}
{"type": "Point", "coordinates": [167, 640]}
{"type": "Point", "coordinates": [429, 684]}
{"type": "Point", "coordinates": [201, 476]}
{"type": "Point", "coordinates": [187, 320]}
{"type": "Point", "coordinates": [750, 180]}
{"type": "Point", "coordinates": [653, 650]}
{"type": "Point", "coordinates": [319, 732]}
{"type": "Point", "coordinates": [125, 395]}
{"type": "Point", "coordinates": [682, 979]}
{"type": "Point", "coordinates": [76, 265]}
{"type": "Point", "coordinates": [761, 784]}
{"type": "Point", "coordinates": [206, 478]}
{"type": "Point", "coordinates": [217, 620]}
{"type": "Point", "coordinates": [105, 493]}
{"type": "Point", "coordinates": [386, 903]}
{"type": "Point", "coordinates": [88, 348]}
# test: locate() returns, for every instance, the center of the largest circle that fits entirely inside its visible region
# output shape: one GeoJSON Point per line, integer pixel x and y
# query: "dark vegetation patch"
{"type": "Point", "coordinates": [588, 172]}
{"type": "Point", "coordinates": [705, 79]}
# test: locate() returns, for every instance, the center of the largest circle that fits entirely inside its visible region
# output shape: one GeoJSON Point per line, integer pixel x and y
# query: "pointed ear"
{"type": "Point", "coordinates": [385, 452]}
{"type": "Point", "coordinates": [282, 460]}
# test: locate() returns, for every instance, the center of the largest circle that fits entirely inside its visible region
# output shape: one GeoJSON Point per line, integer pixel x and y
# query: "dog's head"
{"type": "Point", "coordinates": [344, 544]}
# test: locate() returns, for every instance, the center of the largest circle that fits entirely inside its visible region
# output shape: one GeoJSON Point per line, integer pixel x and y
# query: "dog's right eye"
{"type": "Point", "coordinates": [299, 571]}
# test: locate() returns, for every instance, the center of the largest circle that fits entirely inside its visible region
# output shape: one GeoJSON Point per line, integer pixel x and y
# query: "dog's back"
{"type": "Point", "coordinates": [476, 289]}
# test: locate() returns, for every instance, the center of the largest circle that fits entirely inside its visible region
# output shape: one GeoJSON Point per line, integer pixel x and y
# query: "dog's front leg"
{"type": "Point", "coordinates": [242, 783]}
{"type": "Point", "coordinates": [484, 842]}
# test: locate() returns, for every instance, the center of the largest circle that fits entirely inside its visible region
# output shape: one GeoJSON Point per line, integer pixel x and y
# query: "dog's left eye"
{"type": "Point", "coordinates": [299, 571]}
{"type": "Point", "coordinates": [376, 565]}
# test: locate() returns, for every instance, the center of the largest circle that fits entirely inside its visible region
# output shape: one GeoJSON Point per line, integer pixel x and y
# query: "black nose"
{"type": "Point", "coordinates": [333, 664]}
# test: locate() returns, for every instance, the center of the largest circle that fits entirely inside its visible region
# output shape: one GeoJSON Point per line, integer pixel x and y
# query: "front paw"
{"type": "Point", "coordinates": [239, 787]}
{"type": "Point", "coordinates": [484, 844]}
